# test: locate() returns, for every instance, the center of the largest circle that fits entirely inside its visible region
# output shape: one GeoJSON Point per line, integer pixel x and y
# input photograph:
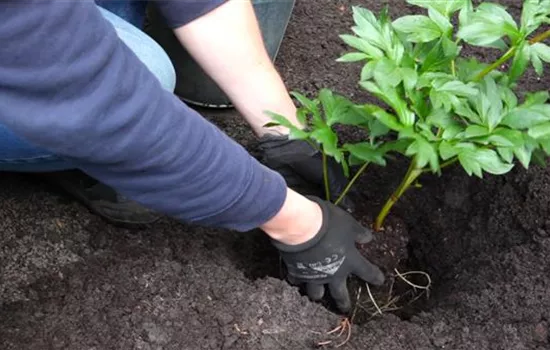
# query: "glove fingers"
{"type": "Point", "coordinates": [315, 291]}
{"type": "Point", "coordinates": [339, 293]}
{"type": "Point", "coordinates": [366, 271]}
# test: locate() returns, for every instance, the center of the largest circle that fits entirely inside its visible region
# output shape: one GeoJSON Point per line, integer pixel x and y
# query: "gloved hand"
{"type": "Point", "coordinates": [330, 257]}
{"type": "Point", "coordinates": [302, 167]}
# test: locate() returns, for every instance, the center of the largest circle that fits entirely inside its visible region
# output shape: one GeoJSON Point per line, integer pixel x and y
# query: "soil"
{"type": "Point", "coordinates": [68, 280]}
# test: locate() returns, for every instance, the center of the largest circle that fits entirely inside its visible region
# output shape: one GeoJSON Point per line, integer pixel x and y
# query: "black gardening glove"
{"type": "Point", "coordinates": [302, 167]}
{"type": "Point", "coordinates": [330, 257]}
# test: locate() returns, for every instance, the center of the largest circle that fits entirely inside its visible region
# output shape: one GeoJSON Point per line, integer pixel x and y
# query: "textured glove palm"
{"type": "Point", "coordinates": [330, 257]}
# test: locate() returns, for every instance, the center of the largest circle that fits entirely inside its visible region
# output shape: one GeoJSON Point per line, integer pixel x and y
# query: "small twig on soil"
{"type": "Point", "coordinates": [239, 330]}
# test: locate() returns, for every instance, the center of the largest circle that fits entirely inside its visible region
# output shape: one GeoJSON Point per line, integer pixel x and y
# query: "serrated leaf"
{"type": "Point", "coordinates": [520, 62]}
{"type": "Point", "coordinates": [539, 131]}
{"type": "Point", "coordinates": [366, 152]}
{"type": "Point", "coordinates": [352, 57]}
{"type": "Point", "coordinates": [420, 28]}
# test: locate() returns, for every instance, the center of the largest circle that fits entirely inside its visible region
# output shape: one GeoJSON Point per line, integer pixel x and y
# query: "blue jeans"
{"type": "Point", "coordinates": [20, 156]}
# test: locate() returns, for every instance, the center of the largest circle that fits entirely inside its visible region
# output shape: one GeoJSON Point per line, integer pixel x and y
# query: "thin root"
{"type": "Point", "coordinates": [402, 276]}
{"type": "Point", "coordinates": [372, 299]}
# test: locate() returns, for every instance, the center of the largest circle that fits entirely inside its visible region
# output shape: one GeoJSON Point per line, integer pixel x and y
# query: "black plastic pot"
{"type": "Point", "coordinates": [193, 85]}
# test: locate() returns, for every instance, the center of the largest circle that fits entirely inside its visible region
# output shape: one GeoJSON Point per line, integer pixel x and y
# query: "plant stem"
{"type": "Point", "coordinates": [351, 182]}
{"type": "Point", "coordinates": [325, 176]}
{"type": "Point", "coordinates": [509, 54]}
{"type": "Point", "coordinates": [412, 174]}
{"type": "Point", "coordinates": [449, 162]}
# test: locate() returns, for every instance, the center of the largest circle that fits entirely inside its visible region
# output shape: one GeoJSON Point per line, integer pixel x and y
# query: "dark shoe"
{"type": "Point", "coordinates": [102, 199]}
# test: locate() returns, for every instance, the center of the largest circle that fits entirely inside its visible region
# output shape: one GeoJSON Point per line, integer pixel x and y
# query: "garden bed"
{"type": "Point", "coordinates": [70, 281]}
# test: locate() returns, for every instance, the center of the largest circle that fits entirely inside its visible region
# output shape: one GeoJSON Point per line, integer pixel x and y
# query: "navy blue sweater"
{"type": "Point", "coordinates": [69, 85]}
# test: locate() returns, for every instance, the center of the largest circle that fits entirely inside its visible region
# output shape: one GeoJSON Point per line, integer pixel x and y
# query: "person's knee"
{"type": "Point", "coordinates": [146, 49]}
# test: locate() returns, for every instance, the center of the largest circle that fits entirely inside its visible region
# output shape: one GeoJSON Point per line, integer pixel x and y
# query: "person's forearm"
{"type": "Point", "coordinates": [79, 92]}
{"type": "Point", "coordinates": [228, 45]}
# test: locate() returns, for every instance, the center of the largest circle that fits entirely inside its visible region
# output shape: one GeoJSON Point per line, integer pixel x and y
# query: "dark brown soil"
{"type": "Point", "coordinates": [70, 281]}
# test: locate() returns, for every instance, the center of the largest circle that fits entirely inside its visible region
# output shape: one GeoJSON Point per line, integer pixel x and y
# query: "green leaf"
{"type": "Point", "coordinates": [424, 153]}
{"type": "Point", "coordinates": [491, 162]}
{"type": "Point", "coordinates": [377, 128]}
{"type": "Point", "coordinates": [506, 137]}
{"type": "Point", "coordinates": [384, 117]}
{"type": "Point", "coordinates": [468, 69]}
{"type": "Point", "coordinates": [279, 120]}
{"type": "Point", "coordinates": [367, 26]}
{"type": "Point", "coordinates": [311, 105]}
{"type": "Point", "coordinates": [353, 57]}
{"type": "Point", "coordinates": [329, 140]}
{"type": "Point", "coordinates": [537, 63]}
{"type": "Point", "coordinates": [439, 118]}
{"type": "Point", "coordinates": [447, 150]}
{"type": "Point", "coordinates": [539, 131]}
{"type": "Point", "coordinates": [439, 55]}
{"type": "Point", "coordinates": [525, 151]}
{"type": "Point", "coordinates": [441, 20]}
{"type": "Point", "coordinates": [545, 144]}
{"type": "Point", "coordinates": [534, 13]}
{"type": "Point", "coordinates": [507, 154]}
{"type": "Point", "coordinates": [452, 131]}
{"type": "Point", "coordinates": [542, 50]}
{"type": "Point", "coordinates": [475, 131]}
{"type": "Point", "coordinates": [525, 116]}
{"type": "Point", "coordinates": [387, 73]}
{"type": "Point", "coordinates": [487, 25]}
{"type": "Point", "coordinates": [536, 98]}
{"type": "Point", "coordinates": [368, 70]}
{"type": "Point", "coordinates": [366, 152]}
{"type": "Point", "coordinates": [459, 88]}
{"type": "Point", "coordinates": [520, 62]}
{"type": "Point", "coordinates": [355, 115]}
{"type": "Point", "coordinates": [446, 8]}
{"type": "Point", "coordinates": [362, 45]}
{"type": "Point", "coordinates": [489, 103]}
{"type": "Point", "coordinates": [336, 107]}
{"type": "Point", "coordinates": [468, 160]}
{"type": "Point", "coordinates": [420, 28]}
{"type": "Point", "coordinates": [410, 78]}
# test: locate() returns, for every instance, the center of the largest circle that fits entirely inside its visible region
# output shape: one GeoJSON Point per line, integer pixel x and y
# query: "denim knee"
{"type": "Point", "coordinates": [150, 53]}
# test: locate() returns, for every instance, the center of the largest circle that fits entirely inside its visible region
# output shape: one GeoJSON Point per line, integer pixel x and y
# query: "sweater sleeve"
{"type": "Point", "coordinates": [68, 84]}
{"type": "Point", "coordinates": [180, 12]}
